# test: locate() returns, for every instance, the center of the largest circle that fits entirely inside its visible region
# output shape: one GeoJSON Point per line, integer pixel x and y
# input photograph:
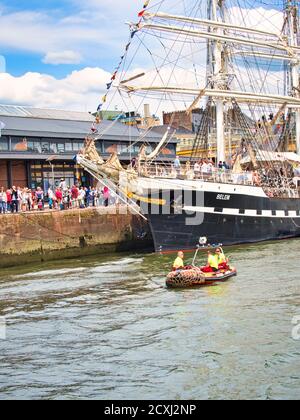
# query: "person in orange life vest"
{"type": "Point", "coordinates": [178, 263]}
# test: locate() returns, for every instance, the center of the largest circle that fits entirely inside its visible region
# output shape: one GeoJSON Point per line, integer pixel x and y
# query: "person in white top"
{"type": "Point", "coordinates": [3, 201]}
{"type": "Point", "coordinates": [210, 167]}
{"type": "Point", "coordinates": [205, 169]}
{"type": "Point", "coordinates": [24, 199]}
{"type": "Point", "coordinates": [81, 197]}
{"type": "Point", "coordinates": [63, 185]}
{"type": "Point", "coordinates": [197, 170]}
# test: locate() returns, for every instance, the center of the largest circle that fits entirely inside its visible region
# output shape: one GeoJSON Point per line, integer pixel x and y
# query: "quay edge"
{"type": "Point", "coordinates": [56, 235]}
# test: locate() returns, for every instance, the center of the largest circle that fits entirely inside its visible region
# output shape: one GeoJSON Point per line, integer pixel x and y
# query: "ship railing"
{"type": "Point", "coordinates": [287, 188]}
{"type": "Point", "coordinates": [223, 176]}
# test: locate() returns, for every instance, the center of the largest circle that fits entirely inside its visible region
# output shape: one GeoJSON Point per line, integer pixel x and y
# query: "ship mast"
{"type": "Point", "coordinates": [217, 70]}
{"type": "Point", "coordinates": [293, 34]}
{"type": "Point", "coordinates": [225, 40]}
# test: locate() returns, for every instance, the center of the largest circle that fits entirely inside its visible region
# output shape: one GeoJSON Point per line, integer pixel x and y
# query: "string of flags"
{"type": "Point", "coordinates": [146, 4]}
{"type": "Point", "coordinates": [134, 30]}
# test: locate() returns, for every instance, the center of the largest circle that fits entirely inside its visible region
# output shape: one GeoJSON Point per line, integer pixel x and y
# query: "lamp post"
{"type": "Point", "coordinates": [50, 160]}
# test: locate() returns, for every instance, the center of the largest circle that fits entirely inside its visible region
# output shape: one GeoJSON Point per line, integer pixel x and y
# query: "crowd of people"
{"type": "Point", "coordinates": [207, 169]}
{"type": "Point", "coordinates": [201, 169]}
{"type": "Point", "coordinates": [204, 168]}
{"type": "Point", "coordinates": [16, 199]}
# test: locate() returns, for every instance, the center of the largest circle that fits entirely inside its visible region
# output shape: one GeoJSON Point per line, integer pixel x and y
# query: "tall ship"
{"type": "Point", "coordinates": [238, 62]}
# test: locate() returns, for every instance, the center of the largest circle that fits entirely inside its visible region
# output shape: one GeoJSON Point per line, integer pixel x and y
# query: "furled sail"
{"type": "Point", "coordinates": [144, 157]}
{"type": "Point", "coordinates": [111, 168]}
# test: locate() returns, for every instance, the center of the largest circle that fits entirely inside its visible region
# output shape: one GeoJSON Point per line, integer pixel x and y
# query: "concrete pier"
{"type": "Point", "coordinates": [52, 235]}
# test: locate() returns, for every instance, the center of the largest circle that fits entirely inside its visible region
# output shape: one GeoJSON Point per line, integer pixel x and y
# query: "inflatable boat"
{"type": "Point", "coordinates": [193, 277]}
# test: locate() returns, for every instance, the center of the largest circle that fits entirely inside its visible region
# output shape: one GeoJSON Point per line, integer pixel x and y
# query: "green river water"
{"type": "Point", "coordinates": [107, 328]}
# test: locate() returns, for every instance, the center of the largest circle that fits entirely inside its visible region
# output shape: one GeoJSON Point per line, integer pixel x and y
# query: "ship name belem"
{"type": "Point", "coordinates": [223, 197]}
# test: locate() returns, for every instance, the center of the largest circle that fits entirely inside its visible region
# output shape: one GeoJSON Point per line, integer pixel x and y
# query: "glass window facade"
{"type": "Point", "coordinates": [40, 145]}
{"type": "Point", "coordinates": [51, 146]}
{"type": "Point", "coordinates": [45, 174]}
{"type": "Point", "coordinates": [125, 148]}
{"type": "Point", "coordinates": [4, 143]}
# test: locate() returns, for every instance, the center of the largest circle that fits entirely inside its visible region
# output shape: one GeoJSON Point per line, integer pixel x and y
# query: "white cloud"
{"type": "Point", "coordinates": [257, 18]}
{"type": "Point", "coordinates": [81, 90]}
{"type": "Point", "coordinates": [62, 57]}
{"type": "Point", "coordinates": [86, 32]}
{"type": "Point", "coordinates": [97, 32]}
{"type": "Point", "coordinates": [94, 29]}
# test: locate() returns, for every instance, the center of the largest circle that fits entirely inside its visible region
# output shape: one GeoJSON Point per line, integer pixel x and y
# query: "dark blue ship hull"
{"type": "Point", "coordinates": [223, 218]}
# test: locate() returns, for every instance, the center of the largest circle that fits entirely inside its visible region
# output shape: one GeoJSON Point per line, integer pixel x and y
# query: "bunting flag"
{"type": "Point", "coordinates": [94, 129]}
{"type": "Point", "coordinates": [146, 4]}
{"type": "Point", "coordinates": [134, 30]}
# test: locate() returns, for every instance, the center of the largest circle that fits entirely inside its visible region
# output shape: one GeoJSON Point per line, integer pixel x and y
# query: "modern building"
{"type": "Point", "coordinates": [38, 146]}
{"type": "Point", "coordinates": [142, 122]}
{"type": "Point", "coordinates": [182, 120]}
{"type": "Point", "coordinates": [188, 125]}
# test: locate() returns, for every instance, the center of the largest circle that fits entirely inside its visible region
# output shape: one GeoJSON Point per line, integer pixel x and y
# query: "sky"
{"type": "Point", "coordinates": [58, 53]}
{"type": "Point", "coordinates": [61, 53]}
{"type": "Point", "coordinates": [58, 36]}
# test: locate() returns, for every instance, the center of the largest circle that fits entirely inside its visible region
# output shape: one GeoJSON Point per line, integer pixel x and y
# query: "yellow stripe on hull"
{"type": "Point", "coordinates": [146, 200]}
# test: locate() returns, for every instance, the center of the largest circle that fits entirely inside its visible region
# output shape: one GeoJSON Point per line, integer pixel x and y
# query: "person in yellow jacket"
{"type": "Point", "coordinates": [212, 263]}
{"type": "Point", "coordinates": [178, 263]}
{"type": "Point", "coordinates": [222, 260]}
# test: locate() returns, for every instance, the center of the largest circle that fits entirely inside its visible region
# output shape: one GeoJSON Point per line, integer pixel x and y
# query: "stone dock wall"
{"type": "Point", "coordinates": [46, 236]}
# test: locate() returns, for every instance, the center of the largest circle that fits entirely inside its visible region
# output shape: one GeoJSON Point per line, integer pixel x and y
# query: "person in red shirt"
{"type": "Point", "coordinates": [74, 195]}
{"type": "Point", "coordinates": [9, 199]}
{"type": "Point", "coordinates": [33, 199]}
{"type": "Point", "coordinates": [59, 196]}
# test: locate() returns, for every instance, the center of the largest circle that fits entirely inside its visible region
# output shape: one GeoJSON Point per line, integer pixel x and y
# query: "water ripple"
{"type": "Point", "coordinates": [108, 328]}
